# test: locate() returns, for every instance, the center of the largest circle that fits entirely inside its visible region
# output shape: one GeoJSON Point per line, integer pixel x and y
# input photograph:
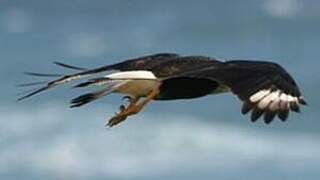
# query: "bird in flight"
{"type": "Point", "coordinates": [264, 88]}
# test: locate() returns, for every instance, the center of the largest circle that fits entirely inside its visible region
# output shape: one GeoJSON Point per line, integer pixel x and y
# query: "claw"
{"type": "Point", "coordinates": [122, 108]}
{"type": "Point", "coordinates": [115, 120]}
{"type": "Point", "coordinates": [128, 98]}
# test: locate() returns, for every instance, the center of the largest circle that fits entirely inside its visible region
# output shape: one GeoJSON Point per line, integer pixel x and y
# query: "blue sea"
{"type": "Point", "coordinates": [205, 138]}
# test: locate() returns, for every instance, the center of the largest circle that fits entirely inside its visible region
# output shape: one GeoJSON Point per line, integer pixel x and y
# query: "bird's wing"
{"type": "Point", "coordinates": [160, 66]}
{"type": "Point", "coordinates": [141, 63]}
{"type": "Point", "coordinates": [149, 68]}
{"type": "Point", "coordinates": [182, 64]}
{"type": "Point", "coordinates": [264, 87]}
{"type": "Point", "coordinates": [144, 62]}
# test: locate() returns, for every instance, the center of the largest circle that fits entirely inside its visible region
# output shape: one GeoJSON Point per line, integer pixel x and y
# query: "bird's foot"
{"type": "Point", "coordinates": [116, 120]}
{"type": "Point", "coordinates": [134, 107]}
{"type": "Point", "coordinates": [124, 111]}
{"type": "Point", "coordinates": [123, 114]}
{"type": "Point", "coordinates": [128, 98]}
{"type": "Point", "coordinates": [124, 106]}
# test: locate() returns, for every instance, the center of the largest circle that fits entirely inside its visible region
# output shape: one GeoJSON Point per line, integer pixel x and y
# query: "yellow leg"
{"type": "Point", "coordinates": [133, 108]}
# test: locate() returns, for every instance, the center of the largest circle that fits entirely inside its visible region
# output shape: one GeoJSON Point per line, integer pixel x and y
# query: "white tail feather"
{"type": "Point", "coordinates": [132, 75]}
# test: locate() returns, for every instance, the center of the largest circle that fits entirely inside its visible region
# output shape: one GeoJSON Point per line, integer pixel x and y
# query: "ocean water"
{"type": "Point", "coordinates": [205, 138]}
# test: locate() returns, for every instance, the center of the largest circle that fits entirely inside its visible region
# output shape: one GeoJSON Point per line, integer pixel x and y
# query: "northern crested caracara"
{"type": "Point", "coordinates": [265, 88]}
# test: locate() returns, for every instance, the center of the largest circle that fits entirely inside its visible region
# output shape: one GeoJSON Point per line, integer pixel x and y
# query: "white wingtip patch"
{"type": "Point", "coordinates": [273, 100]}
{"type": "Point", "coordinates": [259, 95]}
{"type": "Point", "coordinates": [265, 102]}
{"type": "Point", "coordinates": [275, 105]}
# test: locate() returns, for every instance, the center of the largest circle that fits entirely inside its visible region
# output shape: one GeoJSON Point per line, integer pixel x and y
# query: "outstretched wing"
{"type": "Point", "coordinates": [264, 87]}
{"type": "Point", "coordinates": [183, 64]}
{"type": "Point", "coordinates": [151, 68]}
{"type": "Point", "coordinates": [141, 63]}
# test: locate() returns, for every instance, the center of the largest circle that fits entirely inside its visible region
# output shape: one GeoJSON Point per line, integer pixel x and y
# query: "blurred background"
{"type": "Point", "coordinates": [206, 138]}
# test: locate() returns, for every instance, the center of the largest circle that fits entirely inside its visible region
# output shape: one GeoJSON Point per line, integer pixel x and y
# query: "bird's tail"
{"type": "Point", "coordinates": [119, 76]}
{"type": "Point", "coordinates": [61, 79]}
{"type": "Point", "coordinates": [89, 97]}
{"type": "Point", "coordinates": [111, 83]}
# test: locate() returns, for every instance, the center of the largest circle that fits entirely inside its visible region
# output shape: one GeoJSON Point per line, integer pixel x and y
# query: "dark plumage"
{"type": "Point", "coordinates": [265, 88]}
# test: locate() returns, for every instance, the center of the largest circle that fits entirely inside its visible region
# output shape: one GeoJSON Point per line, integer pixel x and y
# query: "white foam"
{"type": "Point", "coordinates": [75, 145]}
{"type": "Point", "coordinates": [282, 8]}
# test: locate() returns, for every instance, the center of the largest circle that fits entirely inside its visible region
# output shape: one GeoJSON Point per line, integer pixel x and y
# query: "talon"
{"type": "Point", "coordinates": [115, 120]}
{"type": "Point", "coordinates": [126, 98]}
{"type": "Point", "coordinates": [122, 108]}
